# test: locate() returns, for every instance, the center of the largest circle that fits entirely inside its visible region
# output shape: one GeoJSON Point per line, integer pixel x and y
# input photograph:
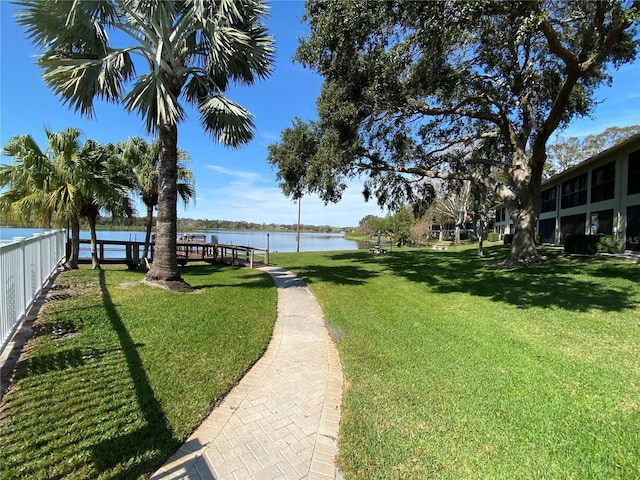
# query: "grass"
{"type": "Point", "coordinates": [141, 368]}
{"type": "Point", "coordinates": [458, 370]}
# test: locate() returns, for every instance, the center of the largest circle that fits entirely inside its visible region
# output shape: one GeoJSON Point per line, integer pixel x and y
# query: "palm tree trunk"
{"type": "Point", "coordinates": [72, 260]}
{"type": "Point", "coordinates": [147, 238]}
{"type": "Point", "coordinates": [46, 220]}
{"type": "Point", "coordinates": [95, 262]}
{"type": "Point", "coordinates": [165, 262]}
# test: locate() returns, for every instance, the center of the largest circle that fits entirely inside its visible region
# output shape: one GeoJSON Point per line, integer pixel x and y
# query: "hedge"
{"type": "Point", "coordinates": [591, 244]}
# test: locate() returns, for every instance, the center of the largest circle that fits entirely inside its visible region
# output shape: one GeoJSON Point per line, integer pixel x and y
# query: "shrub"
{"type": "Point", "coordinates": [493, 236]}
{"type": "Point", "coordinates": [608, 244]}
{"type": "Point", "coordinates": [591, 244]}
{"type": "Point", "coordinates": [508, 239]}
{"type": "Point", "coordinates": [581, 244]}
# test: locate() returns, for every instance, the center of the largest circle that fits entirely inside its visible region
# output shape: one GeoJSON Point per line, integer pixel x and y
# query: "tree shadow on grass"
{"type": "Point", "coordinates": [194, 272]}
{"type": "Point", "coordinates": [341, 274]}
{"type": "Point", "coordinates": [155, 441]}
{"type": "Point", "coordinates": [554, 283]}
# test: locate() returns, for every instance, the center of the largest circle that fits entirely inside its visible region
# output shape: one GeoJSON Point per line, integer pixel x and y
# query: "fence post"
{"type": "Point", "coordinates": [23, 263]}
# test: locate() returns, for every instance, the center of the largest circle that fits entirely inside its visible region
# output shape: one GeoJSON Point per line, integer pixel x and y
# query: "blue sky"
{"type": "Point", "coordinates": [238, 184]}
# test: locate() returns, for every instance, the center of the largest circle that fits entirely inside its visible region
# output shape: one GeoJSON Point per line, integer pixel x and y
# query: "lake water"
{"type": "Point", "coordinates": [275, 241]}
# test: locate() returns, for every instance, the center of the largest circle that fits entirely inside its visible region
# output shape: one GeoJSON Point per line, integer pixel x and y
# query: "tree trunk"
{"type": "Point", "coordinates": [95, 262]}
{"type": "Point", "coordinates": [481, 236]}
{"type": "Point", "coordinates": [480, 200]}
{"type": "Point", "coordinates": [456, 235]}
{"type": "Point", "coordinates": [46, 221]}
{"type": "Point", "coordinates": [72, 259]}
{"type": "Point", "coordinates": [524, 214]}
{"type": "Point", "coordinates": [165, 262]}
{"type": "Point", "coordinates": [147, 238]}
{"type": "Point", "coordinates": [523, 248]}
{"type": "Point", "coordinates": [524, 208]}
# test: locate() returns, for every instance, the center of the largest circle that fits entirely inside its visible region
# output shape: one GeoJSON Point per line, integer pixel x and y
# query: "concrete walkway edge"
{"type": "Point", "coordinates": [282, 420]}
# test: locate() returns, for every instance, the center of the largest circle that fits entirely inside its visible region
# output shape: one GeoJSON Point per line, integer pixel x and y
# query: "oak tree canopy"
{"type": "Point", "coordinates": [420, 90]}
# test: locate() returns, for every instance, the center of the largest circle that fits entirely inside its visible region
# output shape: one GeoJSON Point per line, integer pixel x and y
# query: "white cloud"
{"type": "Point", "coordinates": [244, 175]}
{"type": "Point", "coordinates": [247, 198]}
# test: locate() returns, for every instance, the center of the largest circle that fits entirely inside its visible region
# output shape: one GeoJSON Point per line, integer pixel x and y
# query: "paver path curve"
{"type": "Point", "coordinates": [281, 421]}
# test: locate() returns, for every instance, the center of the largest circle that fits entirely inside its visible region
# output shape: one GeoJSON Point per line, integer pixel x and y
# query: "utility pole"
{"type": "Point", "coordinates": [298, 238]}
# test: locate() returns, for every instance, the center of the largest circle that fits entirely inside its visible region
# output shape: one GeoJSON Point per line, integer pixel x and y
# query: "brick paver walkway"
{"type": "Point", "coordinates": [281, 421]}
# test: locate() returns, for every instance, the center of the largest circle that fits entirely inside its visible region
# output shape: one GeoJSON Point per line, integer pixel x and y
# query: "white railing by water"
{"type": "Point", "coordinates": [26, 264]}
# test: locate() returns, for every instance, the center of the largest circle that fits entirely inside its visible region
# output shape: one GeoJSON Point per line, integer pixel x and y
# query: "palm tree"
{"type": "Point", "coordinates": [141, 159]}
{"type": "Point", "coordinates": [66, 182]}
{"type": "Point", "coordinates": [193, 50]}
{"type": "Point", "coordinates": [99, 185]}
{"type": "Point", "coordinates": [25, 181]}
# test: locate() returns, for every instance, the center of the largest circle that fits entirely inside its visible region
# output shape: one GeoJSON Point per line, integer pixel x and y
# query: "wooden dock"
{"type": "Point", "coordinates": [128, 252]}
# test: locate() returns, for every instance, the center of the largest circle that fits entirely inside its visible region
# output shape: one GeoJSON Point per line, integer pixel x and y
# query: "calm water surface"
{"type": "Point", "coordinates": [275, 241]}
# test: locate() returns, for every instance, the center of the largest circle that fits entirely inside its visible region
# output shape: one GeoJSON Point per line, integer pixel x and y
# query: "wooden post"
{"type": "Point", "coordinates": [136, 254]}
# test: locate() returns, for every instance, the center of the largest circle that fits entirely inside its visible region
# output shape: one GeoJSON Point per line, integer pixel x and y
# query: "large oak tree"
{"type": "Point", "coordinates": [420, 90]}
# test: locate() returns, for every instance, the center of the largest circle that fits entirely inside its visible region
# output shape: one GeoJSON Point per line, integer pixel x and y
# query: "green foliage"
{"type": "Point", "coordinates": [608, 244]}
{"type": "Point", "coordinates": [581, 244]}
{"type": "Point", "coordinates": [591, 244]}
{"type": "Point", "coordinates": [458, 370]}
{"type": "Point", "coordinates": [66, 181]}
{"type": "Point", "coordinates": [190, 58]}
{"type": "Point", "coordinates": [421, 90]}
{"type": "Point", "coordinates": [565, 152]}
{"type": "Point", "coordinates": [493, 236]}
{"type": "Point", "coordinates": [192, 52]}
{"type": "Point", "coordinates": [370, 225]}
{"type": "Point", "coordinates": [138, 371]}
{"type": "Point", "coordinates": [298, 160]}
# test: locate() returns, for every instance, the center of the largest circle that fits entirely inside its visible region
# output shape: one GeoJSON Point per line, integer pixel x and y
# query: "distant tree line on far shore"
{"type": "Point", "coordinates": [189, 224]}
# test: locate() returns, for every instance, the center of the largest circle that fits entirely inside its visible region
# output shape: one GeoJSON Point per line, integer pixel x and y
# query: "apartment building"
{"type": "Point", "coordinates": [600, 195]}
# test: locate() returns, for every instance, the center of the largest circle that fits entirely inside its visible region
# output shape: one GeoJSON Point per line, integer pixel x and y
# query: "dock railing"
{"type": "Point", "coordinates": [26, 265]}
{"type": "Point", "coordinates": [241, 255]}
{"type": "Point", "coordinates": [128, 252]}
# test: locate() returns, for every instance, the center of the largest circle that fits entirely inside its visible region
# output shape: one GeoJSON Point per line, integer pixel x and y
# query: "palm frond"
{"type": "Point", "coordinates": [79, 80]}
{"type": "Point", "coordinates": [228, 122]}
{"type": "Point", "coordinates": [154, 101]}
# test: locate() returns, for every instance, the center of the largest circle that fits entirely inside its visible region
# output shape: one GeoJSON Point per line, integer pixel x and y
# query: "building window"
{"type": "Point", "coordinates": [548, 198]}
{"type": "Point", "coordinates": [602, 222]}
{"type": "Point", "coordinates": [572, 225]}
{"type": "Point", "coordinates": [500, 215]}
{"type": "Point", "coordinates": [603, 182]}
{"type": "Point", "coordinates": [574, 192]}
{"type": "Point", "coordinates": [547, 230]}
{"type": "Point", "coordinates": [633, 185]}
{"type": "Point", "coordinates": [633, 228]}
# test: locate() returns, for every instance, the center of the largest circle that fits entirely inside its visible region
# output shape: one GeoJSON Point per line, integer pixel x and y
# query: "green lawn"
{"type": "Point", "coordinates": [143, 368]}
{"type": "Point", "coordinates": [458, 370]}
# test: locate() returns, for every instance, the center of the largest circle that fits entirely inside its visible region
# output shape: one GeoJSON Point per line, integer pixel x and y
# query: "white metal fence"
{"type": "Point", "coordinates": [26, 264]}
